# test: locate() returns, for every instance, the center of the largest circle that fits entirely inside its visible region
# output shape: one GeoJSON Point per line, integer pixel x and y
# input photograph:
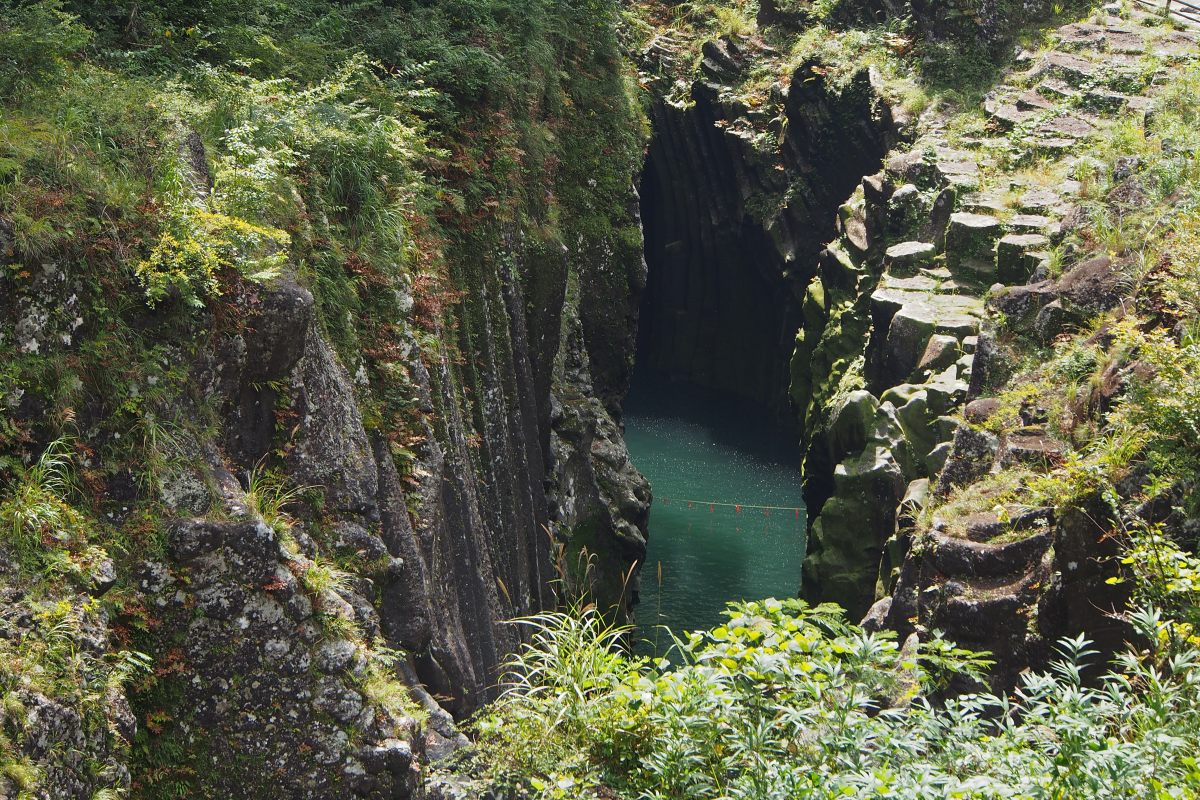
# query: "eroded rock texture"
{"type": "Point", "coordinates": [900, 365]}
{"type": "Point", "coordinates": [736, 205]}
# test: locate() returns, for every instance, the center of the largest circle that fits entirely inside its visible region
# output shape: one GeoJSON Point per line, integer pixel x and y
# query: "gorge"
{"type": "Point", "coordinates": [366, 368]}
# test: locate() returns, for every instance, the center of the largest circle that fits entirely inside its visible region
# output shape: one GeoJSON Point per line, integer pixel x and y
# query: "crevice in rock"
{"type": "Point", "coordinates": [736, 208]}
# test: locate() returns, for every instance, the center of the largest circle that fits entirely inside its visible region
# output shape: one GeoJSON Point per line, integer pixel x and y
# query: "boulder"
{"type": "Point", "coordinates": [940, 352]}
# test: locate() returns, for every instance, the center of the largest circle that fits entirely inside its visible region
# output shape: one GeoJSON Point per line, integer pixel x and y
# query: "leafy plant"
{"type": "Point", "coordinates": [786, 701]}
{"type": "Point", "coordinates": [198, 245]}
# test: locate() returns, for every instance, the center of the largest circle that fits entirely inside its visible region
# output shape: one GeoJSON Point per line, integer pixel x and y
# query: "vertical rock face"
{"type": "Point", "coordinates": [470, 539]}
{"type": "Point", "coordinates": [735, 217]}
{"type": "Point", "coordinates": [274, 630]}
{"type": "Point", "coordinates": [920, 518]}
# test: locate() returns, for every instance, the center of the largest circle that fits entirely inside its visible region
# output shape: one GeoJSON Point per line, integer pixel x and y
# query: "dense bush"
{"type": "Point", "coordinates": [35, 40]}
{"type": "Point", "coordinates": [786, 702]}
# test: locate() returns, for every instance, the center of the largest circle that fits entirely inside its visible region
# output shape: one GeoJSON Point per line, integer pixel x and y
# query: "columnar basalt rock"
{"type": "Point", "coordinates": [735, 216]}
{"type": "Point", "coordinates": [926, 343]}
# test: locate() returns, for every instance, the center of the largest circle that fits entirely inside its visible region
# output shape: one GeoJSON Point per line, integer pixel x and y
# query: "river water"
{"type": "Point", "coordinates": [696, 446]}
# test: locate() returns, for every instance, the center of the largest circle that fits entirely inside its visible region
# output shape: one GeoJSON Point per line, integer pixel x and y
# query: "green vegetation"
{"type": "Point", "coordinates": [786, 701]}
{"type": "Point", "coordinates": [163, 162]}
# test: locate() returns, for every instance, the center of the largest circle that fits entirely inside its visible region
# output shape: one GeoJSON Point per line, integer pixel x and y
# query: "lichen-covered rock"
{"type": "Point", "coordinates": [971, 457]}
{"type": "Point", "coordinates": [1082, 292]}
{"type": "Point", "coordinates": [57, 744]}
{"type": "Point", "coordinates": [266, 697]}
{"type": "Point", "coordinates": [602, 503]}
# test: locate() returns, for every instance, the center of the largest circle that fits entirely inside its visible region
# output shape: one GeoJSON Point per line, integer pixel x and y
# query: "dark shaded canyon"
{"type": "Point", "coordinates": [734, 222]}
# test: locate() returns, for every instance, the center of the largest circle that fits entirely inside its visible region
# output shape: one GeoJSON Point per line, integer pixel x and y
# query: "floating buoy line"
{"type": "Point", "coordinates": [737, 507]}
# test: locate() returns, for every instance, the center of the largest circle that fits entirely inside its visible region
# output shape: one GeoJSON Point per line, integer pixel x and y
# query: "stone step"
{"type": "Point", "coordinates": [1068, 126]}
{"type": "Point", "coordinates": [1018, 255]}
{"type": "Point", "coordinates": [970, 245]}
{"type": "Point", "coordinates": [1007, 116]}
{"type": "Point", "coordinates": [908, 255]}
{"type": "Point", "coordinates": [1040, 200]}
{"type": "Point", "coordinates": [1082, 36]}
{"type": "Point", "coordinates": [986, 526]}
{"type": "Point", "coordinates": [964, 558]}
{"type": "Point", "coordinates": [1073, 69]}
{"type": "Point", "coordinates": [1056, 91]}
{"type": "Point", "coordinates": [1002, 601]}
{"type": "Point", "coordinates": [1105, 101]}
{"type": "Point", "coordinates": [1031, 223]}
{"type": "Point", "coordinates": [982, 203]}
{"type": "Point", "coordinates": [1032, 100]}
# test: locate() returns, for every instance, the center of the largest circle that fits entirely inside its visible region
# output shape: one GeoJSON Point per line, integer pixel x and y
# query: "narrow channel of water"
{"type": "Point", "coordinates": [696, 446]}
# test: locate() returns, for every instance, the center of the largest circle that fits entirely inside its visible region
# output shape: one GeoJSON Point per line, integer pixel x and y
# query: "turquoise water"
{"type": "Point", "coordinates": [693, 445]}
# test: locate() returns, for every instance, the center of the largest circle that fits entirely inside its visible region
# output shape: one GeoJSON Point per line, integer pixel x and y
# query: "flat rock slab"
{"type": "Point", "coordinates": [1038, 200]}
{"type": "Point", "coordinates": [982, 203]}
{"type": "Point", "coordinates": [1070, 68]}
{"type": "Point", "coordinates": [1009, 115]}
{"type": "Point", "coordinates": [951, 314]}
{"type": "Point", "coordinates": [1031, 100]}
{"type": "Point", "coordinates": [1056, 90]}
{"type": "Point", "coordinates": [1125, 40]}
{"type": "Point", "coordinates": [1029, 223]}
{"type": "Point", "coordinates": [1082, 35]}
{"type": "Point", "coordinates": [1033, 447]}
{"type": "Point", "coordinates": [1068, 125]}
{"type": "Point", "coordinates": [907, 254]}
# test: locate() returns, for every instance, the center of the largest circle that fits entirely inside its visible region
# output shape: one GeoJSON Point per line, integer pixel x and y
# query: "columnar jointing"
{"type": "Point", "coordinates": [735, 218]}
{"type": "Point", "coordinates": [715, 311]}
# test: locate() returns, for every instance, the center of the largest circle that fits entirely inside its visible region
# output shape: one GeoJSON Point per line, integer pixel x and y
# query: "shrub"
{"type": "Point", "coordinates": [198, 245]}
{"type": "Point", "coordinates": [35, 40]}
{"type": "Point", "coordinates": [786, 701]}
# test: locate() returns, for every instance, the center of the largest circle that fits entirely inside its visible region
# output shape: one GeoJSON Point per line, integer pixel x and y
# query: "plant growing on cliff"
{"type": "Point", "coordinates": [268, 497]}
{"type": "Point", "coordinates": [35, 513]}
{"type": "Point", "coordinates": [198, 245]}
{"type": "Point", "coordinates": [382, 687]}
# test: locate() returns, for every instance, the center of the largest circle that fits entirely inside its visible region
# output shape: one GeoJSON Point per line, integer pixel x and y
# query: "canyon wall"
{"type": "Point", "coordinates": [735, 201]}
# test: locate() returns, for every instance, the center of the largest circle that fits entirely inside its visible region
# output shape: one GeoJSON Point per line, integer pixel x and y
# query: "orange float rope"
{"type": "Point", "coordinates": [737, 507]}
